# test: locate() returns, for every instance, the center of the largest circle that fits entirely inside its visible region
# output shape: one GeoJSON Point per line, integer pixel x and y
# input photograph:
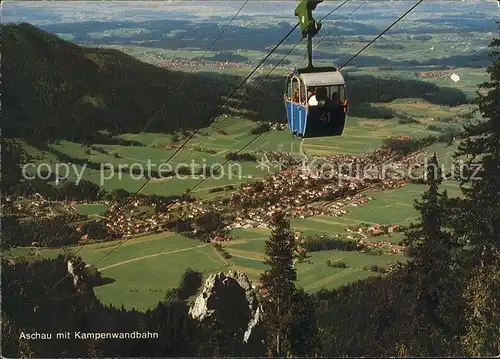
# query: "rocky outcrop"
{"type": "Point", "coordinates": [74, 269]}
{"type": "Point", "coordinates": [84, 276]}
{"type": "Point", "coordinates": [251, 297]}
{"type": "Point", "coordinates": [233, 297]}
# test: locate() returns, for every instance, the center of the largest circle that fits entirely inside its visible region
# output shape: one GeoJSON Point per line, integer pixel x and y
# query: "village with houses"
{"type": "Point", "coordinates": [301, 192]}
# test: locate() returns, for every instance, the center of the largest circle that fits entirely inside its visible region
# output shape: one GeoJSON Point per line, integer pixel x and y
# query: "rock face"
{"type": "Point", "coordinates": [83, 275]}
{"type": "Point", "coordinates": [233, 298]}
{"type": "Point", "coordinates": [77, 279]}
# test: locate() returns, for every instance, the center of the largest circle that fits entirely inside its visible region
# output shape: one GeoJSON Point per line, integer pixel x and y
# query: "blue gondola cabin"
{"type": "Point", "coordinates": [316, 102]}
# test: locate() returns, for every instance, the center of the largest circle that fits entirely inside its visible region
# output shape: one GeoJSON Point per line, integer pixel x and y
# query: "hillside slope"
{"type": "Point", "coordinates": [55, 89]}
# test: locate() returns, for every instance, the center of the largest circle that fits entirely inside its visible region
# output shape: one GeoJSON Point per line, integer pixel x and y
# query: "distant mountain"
{"type": "Point", "coordinates": [52, 89]}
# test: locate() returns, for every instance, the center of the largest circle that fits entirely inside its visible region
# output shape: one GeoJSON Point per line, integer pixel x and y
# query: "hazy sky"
{"type": "Point", "coordinates": [49, 12]}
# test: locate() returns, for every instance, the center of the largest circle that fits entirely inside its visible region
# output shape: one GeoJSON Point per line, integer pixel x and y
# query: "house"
{"type": "Point", "coordinates": [392, 228]}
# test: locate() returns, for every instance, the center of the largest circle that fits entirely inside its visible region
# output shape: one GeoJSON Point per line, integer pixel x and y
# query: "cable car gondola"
{"type": "Point", "coordinates": [315, 97]}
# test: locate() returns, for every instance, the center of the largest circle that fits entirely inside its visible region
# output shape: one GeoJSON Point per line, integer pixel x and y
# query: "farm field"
{"type": "Point", "coordinates": [248, 255]}
{"type": "Point", "coordinates": [424, 110]}
{"type": "Point", "coordinates": [91, 209]}
{"type": "Point", "coordinates": [138, 274]}
{"type": "Point", "coordinates": [469, 77]}
{"type": "Point", "coordinates": [361, 136]}
{"type": "Point", "coordinates": [140, 271]}
{"type": "Point", "coordinates": [134, 287]}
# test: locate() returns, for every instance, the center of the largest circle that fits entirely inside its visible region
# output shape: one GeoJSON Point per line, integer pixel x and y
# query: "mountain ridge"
{"type": "Point", "coordinates": [50, 83]}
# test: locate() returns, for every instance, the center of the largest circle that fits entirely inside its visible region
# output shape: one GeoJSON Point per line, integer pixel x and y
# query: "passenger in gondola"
{"type": "Point", "coordinates": [319, 98]}
{"type": "Point", "coordinates": [311, 97]}
{"type": "Point", "coordinates": [321, 95]}
{"type": "Point", "coordinates": [335, 99]}
{"type": "Point", "coordinates": [310, 93]}
{"type": "Point", "coordinates": [295, 97]}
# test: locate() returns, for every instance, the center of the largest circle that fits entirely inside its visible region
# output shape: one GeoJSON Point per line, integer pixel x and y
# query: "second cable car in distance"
{"type": "Point", "coordinates": [315, 97]}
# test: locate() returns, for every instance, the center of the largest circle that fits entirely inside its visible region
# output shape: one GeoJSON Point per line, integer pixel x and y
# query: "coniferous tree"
{"type": "Point", "coordinates": [431, 238]}
{"type": "Point", "coordinates": [477, 216]}
{"type": "Point", "coordinates": [176, 328]}
{"type": "Point", "coordinates": [289, 314]}
{"type": "Point", "coordinates": [190, 283]}
{"type": "Point", "coordinates": [278, 283]}
{"type": "Point", "coordinates": [427, 277]}
{"type": "Point", "coordinates": [482, 337]}
{"type": "Point", "coordinates": [215, 342]}
{"type": "Point", "coordinates": [304, 336]}
{"type": "Point", "coordinates": [12, 156]}
{"type": "Point", "coordinates": [12, 345]}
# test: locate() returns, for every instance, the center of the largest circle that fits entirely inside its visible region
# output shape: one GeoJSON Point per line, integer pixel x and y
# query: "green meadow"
{"type": "Point", "coordinates": [209, 148]}
{"type": "Point", "coordinates": [138, 271]}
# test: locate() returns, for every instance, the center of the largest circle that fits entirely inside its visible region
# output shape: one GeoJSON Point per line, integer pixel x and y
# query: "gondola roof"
{"type": "Point", "coordinates": [322, 78]}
